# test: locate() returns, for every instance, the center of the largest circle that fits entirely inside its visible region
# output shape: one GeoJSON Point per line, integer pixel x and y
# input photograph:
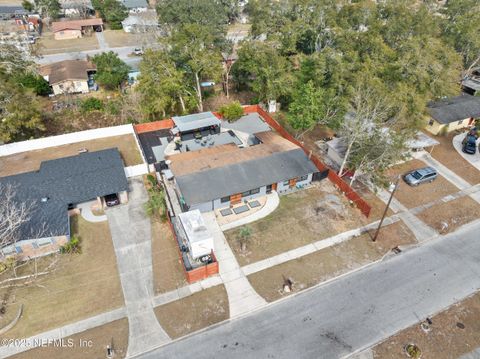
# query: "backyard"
{"type": "Point", "coordinates": [331, 262]}
{"type": "Point", "coordinates": [194, 312]}
{"type": "Point", "coordinates": [301, 218]}
{"type": "Point", "coordinates": [30, 161]}
{"type": "Point", "coordinates": [82, 284]}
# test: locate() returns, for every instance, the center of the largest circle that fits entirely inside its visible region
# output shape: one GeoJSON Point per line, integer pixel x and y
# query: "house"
{"type": "Point", "coordinates": [81, 8]}
{"type": "Point", "coordinates": [11, 11]}
{"type": "Point", "coordinates": [135, 6]}
{"type": "Point", "coordinates": [224, 175]}
{"type": "Point", "coordinates": [471, 83]}
{"type": "Point", "coordinates": [69, 76]}
{"type": "Point", "coordinates": [57, 187]}
{"type": "Point", "coordinates": [75, 29]}
{"type": "Point", "coordinates": [140, 22]}
{"type": "Point", "coordinates": [452, 114]}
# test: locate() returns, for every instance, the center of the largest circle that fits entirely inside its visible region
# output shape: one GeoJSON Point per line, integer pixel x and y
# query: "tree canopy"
{"type": "Point", "coordinates": [111, 70]}
{"type": "Point", "coordinates": [112, 11]}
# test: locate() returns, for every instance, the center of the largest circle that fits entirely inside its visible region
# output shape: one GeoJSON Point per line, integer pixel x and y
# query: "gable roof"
{"type": "Point", "coordinates": [67, 70]}
{"type": "Point", "coordinates": [75, 24]}
{"type": "Point", "coordinates": [455, 109]}
{"type": "Point", "coordinates": [204, 186]}
{"type": "Point", "coordinates": [62, 181]}
{"type": "Point", "coordinates": [197, 120]}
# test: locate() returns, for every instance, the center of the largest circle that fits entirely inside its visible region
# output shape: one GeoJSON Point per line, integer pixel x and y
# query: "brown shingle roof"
{"type": "Point", "coordinates": [224, 155]}
{"type": "Point", "coordinates": [67, 70]}
{"type": "Point", "coordinates": [75, 24]}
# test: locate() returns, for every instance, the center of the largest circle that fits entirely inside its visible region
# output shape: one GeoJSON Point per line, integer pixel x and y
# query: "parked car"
{"type": "Point", "coordinates": [111, 200]}
{"type": "Point", "coordinates": [421, 175]}
{"type": "Point", "coordinates": [469, 144]}
{"type": "Point", "coordinates": [138, 51]}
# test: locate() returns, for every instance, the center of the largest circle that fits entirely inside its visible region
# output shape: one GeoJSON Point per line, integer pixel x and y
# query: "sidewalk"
{"type": "Point", "coordinates": [242, 298]}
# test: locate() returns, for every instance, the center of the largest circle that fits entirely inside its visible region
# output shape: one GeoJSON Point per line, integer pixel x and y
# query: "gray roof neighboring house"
{"type": "Point", "coordinates": [64, 181]}
{"type": "Point", "coordinates": [204, 186]}
{"type": "Point", "coordinates": [135, 4]}
{"type": "Point", "coordinates": [197, 120]}
{"type": "Point", "coordinates": [455, 109]}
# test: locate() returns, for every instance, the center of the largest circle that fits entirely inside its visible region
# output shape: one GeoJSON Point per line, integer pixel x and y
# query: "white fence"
{"type": "Point", "coordinates": [137, 170]}
{"type": "Point", "coordinates": [37, 144]}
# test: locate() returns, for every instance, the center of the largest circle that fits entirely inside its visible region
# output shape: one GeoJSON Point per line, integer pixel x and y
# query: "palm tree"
{"type": "Point", "coordinates": [245, 235]}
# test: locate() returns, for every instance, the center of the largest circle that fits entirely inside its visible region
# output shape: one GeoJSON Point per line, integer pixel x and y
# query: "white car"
{"type": "Point", "coordinates": [138, 51]}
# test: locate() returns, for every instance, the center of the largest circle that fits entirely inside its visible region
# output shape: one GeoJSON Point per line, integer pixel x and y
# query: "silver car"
{"type": "Point", "coordinates": [421, 175]}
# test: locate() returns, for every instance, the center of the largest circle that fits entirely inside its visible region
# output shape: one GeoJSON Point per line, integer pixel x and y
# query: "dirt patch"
{"type": "Point", "coordinates": [317, 267]}
{"type": "Point", "coordinates": [83, 285]}
{"type": "Point", "coordinates": [30, 161]}
{"type": "Point", "coordinates": [214, 102]}
{"type": "Point", "coordinates": [195, 312]}
{"type": "Point", "coordinates": [94, 342]}
{"type": "Point", "coordinates": [376, 204]}
{"type": "Point", "coordinates": [448, 156]}
{"type": "Point", "coordinates": [425, 193]}
{"type": "Point", "coordinates": [302, 217]}
{"type": "Point", "coordinates": [48, 45]}
{"type": "Point", "coordinates": [453, 333]}
{"type": "Point", "coordinates": [120, 38]}
{"type": "Point", "coordinates": [447, 217]}
{"type": "Point", "coordinates": [167, 267]}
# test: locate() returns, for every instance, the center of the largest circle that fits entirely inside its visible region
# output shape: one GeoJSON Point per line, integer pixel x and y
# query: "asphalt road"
{"type": "Point", "coordinates": [350, 313]}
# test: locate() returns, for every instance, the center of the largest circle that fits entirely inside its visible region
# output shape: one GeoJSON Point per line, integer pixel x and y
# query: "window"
{"type": "Point", "coordinates": [246, 193]}
{"type": "Point", "coordinates": [430, 123]}
{"type": "Point", "coordinates": [286, 183]}
{"type": "Point", "coordinates": [303, 178]}
{"type": "Point", "coordinates": [224, 199]}
{"type": "Point", "coordinates": [249, 193]}
{"type": "Point", "coordinates": [255, 191]}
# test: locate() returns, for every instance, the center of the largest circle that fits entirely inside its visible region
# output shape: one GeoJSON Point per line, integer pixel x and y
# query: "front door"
{"type": "Point", "coordinates": [274, 186]}
{"type": "Point", "coordinates": [235, 198]}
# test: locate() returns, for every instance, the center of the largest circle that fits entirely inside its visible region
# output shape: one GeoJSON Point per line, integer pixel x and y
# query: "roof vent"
{"type": "Point", "coordinates": [44, 199]}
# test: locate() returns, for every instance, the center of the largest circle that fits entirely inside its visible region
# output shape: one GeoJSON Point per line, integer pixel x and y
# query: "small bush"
{"type": "Point", "coordinates": [91, 104]}
{"type": "Point", "coordinates": [72, 246]}
{"type": "Point", "coordinates": [35, 82]}
{"type": "Point", "coordinates": [232, 112]}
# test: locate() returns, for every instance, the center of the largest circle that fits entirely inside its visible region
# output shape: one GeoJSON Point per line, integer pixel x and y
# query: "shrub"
{"type": "Point", "coordinates": [91, 104]}
{"type": "Point", "coordinates": [35, 82]}
{"type": "Point", "coordinates": [232, 112]}
{"type": "Point", "coordinates": [72, 246]}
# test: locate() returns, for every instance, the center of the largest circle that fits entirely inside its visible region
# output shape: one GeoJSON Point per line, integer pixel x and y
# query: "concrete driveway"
{"type": "Point", "coordinates": [473, 159]}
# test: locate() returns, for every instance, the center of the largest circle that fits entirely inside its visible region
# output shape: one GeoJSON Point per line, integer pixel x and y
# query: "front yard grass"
{"type": "Point", "coordinates": [82, 285]}
{"type": "Point", "coordinates": [30, 161]}
{"type": "Point", "coordinates": [448, 156]}
{"type": "Point", "coordinates": [120, 38]}
{"type": "Point", "coordinates": [447, 217]}
{"type": "Point", "coordinates": [331, 262]}
{"type": "Point", "coordinates": [48, 45]}
{"type": "Point", "coordinates": [301, 218]}
{"type": "Point", "coordinates": [453, 333]}
{"type": "Point", "coordinates": [115, 332]}
{"type": "Point", "coordinates": [424, 193]}
{"type": "Point", "coordinates": [195, 312]}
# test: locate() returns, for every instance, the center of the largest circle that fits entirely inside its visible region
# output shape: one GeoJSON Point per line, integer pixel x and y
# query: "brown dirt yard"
{"type": "Point", "coordinates": [446, 338]}
{"type": "Point", "coordinates": [447, 217]}
{"type": "Point", "coordinates": [167, 268]}
{"type": "Point", "coordinates": [412, 197]}
{"type": "Point", "coordinates": [120, 38]}
{"type": "Point", "coordinates": [30, 161]}
{"type": "Point", "coordinates": [48, 45]}
{"type": "Point", "coordinates": [302, 217]}
{"type": "Point", "coordinates": [98, 339]}
{"type": "Point", "coordinates": [330, 262]}
{"type": "Point", "coordinates": [82, 285]}
{"type": "Point", "coordinates": [448, 156]}
{"type": "Point", "coordinates": [195, 312]}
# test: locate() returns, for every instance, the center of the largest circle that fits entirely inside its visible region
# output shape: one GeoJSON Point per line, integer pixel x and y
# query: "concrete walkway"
{"type": "Point", "coordinates": [87, 214]}
{"type": "Point", "coordinates": [474, 160]}
{"type": "Point", "coordinates": [242, 298]}
{"type": "Point", "coordinates": [65, 331]}
{"type": "Point", "coordinates": [131, 234]}
{"type": "Point", "coordinates": [102, 43]}
{"type": "Point", "coordinates": [270, 205]}
{"type": "Point", "coordinates": [472, 355]}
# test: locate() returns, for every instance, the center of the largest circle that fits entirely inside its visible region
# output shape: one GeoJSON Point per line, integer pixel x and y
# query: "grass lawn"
{"type": "Point", "coordinates": [330, 262]}
{"type": "Point", "coordinates": [48, 45]}
{"type": "Point", "coordinates": [195, 312]}
{"type": "Point", "coordinates": [30, 161]}
{"type": "Point", "coordinates": [301, 218]}
{"type": "Point", "coordinates": [120, 38]}
{"type": "Point", "coordinates": [447, 217]}
{"type": "Point", "coordinates": [100, 337]}
{"type": "Point", "coordinates": [167, 268]}
{"type": "Point", "coordinates": [412, 197]}
{"type": "Point", "coordinates": [448, 156]}
{"type": "Point", "coordinates": [83, 285]}
{"type": "Point", "coordinates": [446, 338]}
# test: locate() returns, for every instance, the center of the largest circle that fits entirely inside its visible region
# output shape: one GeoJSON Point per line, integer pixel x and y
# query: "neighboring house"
{"type": "Point", "coordinates": [55, 189]}
{"type": "Point", "coordinates": [146, 21]}
{"type": "Point", "coordinates": [80, 8]}
{"type": "Point", "coordinates": [10, 12]}
{"type": "Point", "coordinates": [452, 114]}
{"type": "Point", "coordinates": [69, 76]}
{"type": "Point", "coordinates": [225, 175]}
{"type": "Point", "coordinates": [74, 29]}
{"type": "Point", "coordinates": [135, 6]}
{"type": "Point", "coordinates": [471, 83]}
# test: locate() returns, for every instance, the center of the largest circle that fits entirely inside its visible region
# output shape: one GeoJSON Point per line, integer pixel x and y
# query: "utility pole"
{"type": "Point", "coordinates": [397, 182]}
